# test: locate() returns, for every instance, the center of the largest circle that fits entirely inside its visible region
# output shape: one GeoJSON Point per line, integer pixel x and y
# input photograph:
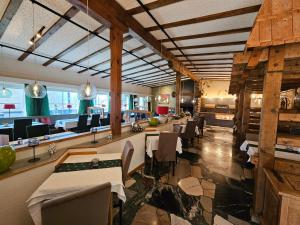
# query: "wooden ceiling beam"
{"type": "Point", "coordinates": [78, 43]}
{"type": "Point", "coordinates": [221, 15]}
{"type": "Point", "coordinates": [108, 60]}
{"type": "Point", "coordinates": [8, 15]}
{"type": "Point", "coordinates": [210, 45]}
{"type": "Point", "coordinates": [204, 60]}
{"type": "Point", "coordinates": [104, 49]}
{"type": "Point", "coordinates": [211, 34]}
{"type": "Point", "coordinates": [152, 5]}
{"type": "Point", "coordinates": [209, 53]}
{"type": "Point", "coordinates": [52, 30]}
{"type": "Point", "coordinates": [113, 13]}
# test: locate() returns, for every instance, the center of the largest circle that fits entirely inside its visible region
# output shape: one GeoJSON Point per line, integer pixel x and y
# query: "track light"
{"type": "Point", "coordinates": [37, 35]}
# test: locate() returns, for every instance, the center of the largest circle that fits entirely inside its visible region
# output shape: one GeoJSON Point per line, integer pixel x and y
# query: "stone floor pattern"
{"type": "Point", "coordinates": [209, 186]}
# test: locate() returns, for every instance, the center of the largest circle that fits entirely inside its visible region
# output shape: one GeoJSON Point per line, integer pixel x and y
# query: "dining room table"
{"type": "Point", "coordinates": [77, 172]}
{"type": "Point", "coordinates": [67, 124]}
{"type": "Point", "coordinates": [281, 151]}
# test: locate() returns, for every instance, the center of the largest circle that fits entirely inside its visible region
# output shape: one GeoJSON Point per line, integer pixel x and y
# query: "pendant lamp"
{"type": "Point", "coordinates": [87, 91]}
{"type": "Point", "coordinates": [35, 90]}
{"type": "Point", "coordinates": [5, 93]}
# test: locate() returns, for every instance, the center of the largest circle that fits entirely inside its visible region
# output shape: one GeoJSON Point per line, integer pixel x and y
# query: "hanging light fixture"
{"type": "Point", "coordinates": [35, 90]}
{"type": "Point", "coordinates": [87, 91]}
{"type": "Point", "coordinates": [5, 93]}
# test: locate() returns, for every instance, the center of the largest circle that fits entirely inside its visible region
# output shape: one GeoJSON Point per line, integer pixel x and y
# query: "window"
{"type": "Point", "coordinates": [102, 100]}
{"type": "Point", "coordinates": [17, 98]}
{"type": "Point", "coordinates": [143, 103]}
{"type": "Point", "coordinates": [63, 102]}
{"type": "Point", "coordinates": [125, 102]}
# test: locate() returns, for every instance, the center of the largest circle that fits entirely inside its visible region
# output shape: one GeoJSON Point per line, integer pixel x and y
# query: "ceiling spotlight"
{"type": "Point", "coordinates": [40, 32]}
{"type": "Point", "coordinates": [31, 41]}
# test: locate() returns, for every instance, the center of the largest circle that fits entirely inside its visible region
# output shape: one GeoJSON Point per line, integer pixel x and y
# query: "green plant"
{"type": "Point", "coordinates": [7, 157]}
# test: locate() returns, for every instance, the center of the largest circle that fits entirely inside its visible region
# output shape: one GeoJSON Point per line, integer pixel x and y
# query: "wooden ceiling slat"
{"type": "Point", "coordinates": [104, 49]}
{"type": "Point", "coordinates": [9, 13]}
{"type": "Point", "coordinates": [149, 78]}
{"type": "Point", "coordinates": [144, 70]}
{"type": "Point", "coordinates": [145, 76]}
{"type": "Point", "coordinates": [152, 5]}
{"type": "Point", "coordinates": [210, 45]}
{"type": "Point", "coordinates": [235, 12]}
{"type": "Point", "coordinates": [141, 65]}
{"type": "Point", "coordinates": [211, 34]}
{"type": "Point", "coordinates": [82, 41]}
{"type": "Point", "coordinates": [212, 59]}
{"type": "Point", "coordinates": [209, 64]}
{"type": "Point", "coordinates": [108, 60]}
{"type": "Point", "coordinates": [209, 53]}
{"type": "Point", "coordinates": [52, 30]}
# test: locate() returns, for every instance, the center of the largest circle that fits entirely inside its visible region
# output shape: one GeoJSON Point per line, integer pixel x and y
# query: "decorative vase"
{"type": "Point", "coordinates": [7, 157]}
{"type": "Point", "coordinates": [153, 121]}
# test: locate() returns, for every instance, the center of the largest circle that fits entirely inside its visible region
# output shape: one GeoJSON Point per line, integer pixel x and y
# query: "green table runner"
{"type": "Point", "coordinates": [69, 167]}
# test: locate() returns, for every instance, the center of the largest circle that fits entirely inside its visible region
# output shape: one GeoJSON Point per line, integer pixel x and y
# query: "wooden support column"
{"type": "Point", "coordinates": [178, 92]}
{"type": "Point", "coordinates": [245, 114]}
{"type": "Point", "coordinates": [116, 45]}
{"type": "Point", "coordinates": [268, 122]}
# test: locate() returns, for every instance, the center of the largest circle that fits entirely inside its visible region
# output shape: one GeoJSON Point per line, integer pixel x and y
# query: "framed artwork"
{"type": "Point", "coordinates": [164, 99]}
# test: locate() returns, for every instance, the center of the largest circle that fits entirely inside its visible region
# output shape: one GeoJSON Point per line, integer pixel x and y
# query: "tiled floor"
{"type": "Point", "coordinates": [209, 187]}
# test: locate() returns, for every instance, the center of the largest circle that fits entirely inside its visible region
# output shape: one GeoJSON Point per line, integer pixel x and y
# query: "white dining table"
{"type": "Point", "coordinates": [68, 124]}
{"type": "Point", "coordinates": [281, 151]}
{"type": "Point", "coordinates": [63, 183]}
{"type": "Point", "coordinates": [152, 145]}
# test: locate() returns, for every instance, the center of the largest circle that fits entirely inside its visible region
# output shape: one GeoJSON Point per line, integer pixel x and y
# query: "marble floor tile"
{"type": "Point", "coordinates": [207, 217]}
{"type": "Point", "coordinates": [206, 203]}
{"type": "Point", "coordinates": [129, 183]}
{"type": "Point", "coordinates": [196, 171]}
{"type": "Point", "coordinates": [236, 221]}
{"type": "Point", "coordinates": [150, 215]}
{"type": "Point", "coordinates": [175, 220]}
{"type": "Point", "coordinates": [191, 186]}
{"type": "Point", "coordinates": [218, 220]}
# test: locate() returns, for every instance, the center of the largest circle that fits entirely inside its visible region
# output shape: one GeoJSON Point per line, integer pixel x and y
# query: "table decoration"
{"type": "Point", "coordinates": [7, 157]}
{"type": "Point", "coordinates": [33, 142]}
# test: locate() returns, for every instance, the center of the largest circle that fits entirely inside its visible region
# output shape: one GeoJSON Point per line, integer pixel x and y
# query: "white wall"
{"type": "Point", "coordinates": [12, 70]}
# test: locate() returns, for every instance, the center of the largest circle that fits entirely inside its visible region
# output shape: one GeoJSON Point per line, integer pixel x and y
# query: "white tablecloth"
{"type": "Point", "coordinates": [281, 151]}
{"type": "Point", "coordinates": [68, 124]}
{"type": "Point", "coordinates": [60, 184]}
{"type": "Point", "coordinates": [152, 145]}
{"type": "Point", "coordinates": [184, 127]}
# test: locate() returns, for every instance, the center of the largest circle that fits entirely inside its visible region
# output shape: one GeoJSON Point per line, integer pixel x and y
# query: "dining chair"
{"type": "Point", "coordinates": [200, 125]}
{"type": "Point", "coordinates": [82, 124]}
{"type": "Point", "coordinates": [20, 128]}
{"type": "Point", "coordinates": [89, 206]}
{"type": "Point", "coordinates": [9, 132]}
{"type": "Point", "coordinates": [189, 132]}
{"type": "Point", "coordinates": [37, 130]}
{"type": "Point", "coordinates": [104, 122]}
{"type": "Point", "coordinates": [177, 129]}
{"type": "Point", "coordinates": [126, 160]}
{"type": "Point", "coordinates": [166, 152]}
{"type": "Point", "coordinates": [95, 122]}
{"type": "Point", "coordinates": [4, 139]}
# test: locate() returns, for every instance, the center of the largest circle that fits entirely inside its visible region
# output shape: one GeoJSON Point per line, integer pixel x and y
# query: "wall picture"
{"type": "Point", "coordinates": [164, 99]}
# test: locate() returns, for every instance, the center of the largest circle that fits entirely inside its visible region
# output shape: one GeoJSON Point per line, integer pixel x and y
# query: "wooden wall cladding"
{"type": "Point", "coordinates": [277, 23]}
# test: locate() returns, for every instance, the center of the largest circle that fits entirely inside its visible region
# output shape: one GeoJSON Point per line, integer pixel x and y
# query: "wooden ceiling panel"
{"type": "Point", "coordinates": [210, 40]}
{"type": "Point", "coordinates": [210, 26]}
{"type": "Point", "coordinates": [191, 9]}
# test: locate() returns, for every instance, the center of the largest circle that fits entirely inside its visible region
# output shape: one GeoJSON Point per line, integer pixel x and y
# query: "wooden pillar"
{"type": "Point", "coordinates": [268, 122]}
{"type": "Point", "coordinates": [178, 92]}
{"type": "Point", "coordinates": [246, 114]}
{"type": "Point", "coordinates": [116, 45]}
